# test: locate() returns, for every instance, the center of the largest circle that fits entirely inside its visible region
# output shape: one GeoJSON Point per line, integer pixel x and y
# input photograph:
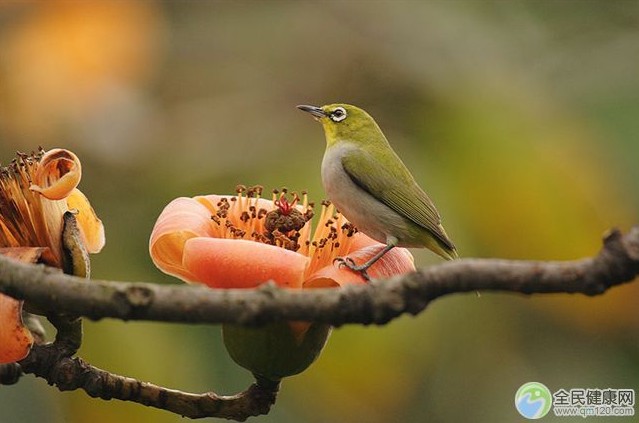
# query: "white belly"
{"type": "Point", "coordinates": [369, 215]}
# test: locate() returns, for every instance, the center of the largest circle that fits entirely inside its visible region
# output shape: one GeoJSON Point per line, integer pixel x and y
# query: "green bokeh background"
{"type": "Point", "coordinates": [520, 118]}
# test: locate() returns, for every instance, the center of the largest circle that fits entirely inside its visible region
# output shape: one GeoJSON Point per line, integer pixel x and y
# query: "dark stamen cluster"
{"type": "Point", "coordinates": [254, 191]}
{"type": "Point", "coordinates": [20, 166]}
{"type": "Point", "coordinates": [349, 229]}
{"type": "Point", "coordinates": [223, 207]}
{"type": "Point", "coordinates": [281, 226]}
{"type": "Point", "coordinates": [276, 220]}
{"type": "Point", "coordinates": [331, 239]}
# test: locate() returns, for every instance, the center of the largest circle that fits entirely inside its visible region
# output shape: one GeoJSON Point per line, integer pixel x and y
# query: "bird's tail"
{"type": "Point", "coordinates": [446, 249]}
{"type": "Point", "coordinates": [450, 254]}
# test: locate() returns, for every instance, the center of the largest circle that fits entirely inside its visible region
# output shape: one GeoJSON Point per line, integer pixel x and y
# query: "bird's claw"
{"type": "Point", "coordinates": [350, 264]}
{"type": "Point", "coordinates": [345, 262]}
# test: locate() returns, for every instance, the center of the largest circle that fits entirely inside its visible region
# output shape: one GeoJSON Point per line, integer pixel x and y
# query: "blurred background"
{"type": "Point", "coordinates": [519, 118]}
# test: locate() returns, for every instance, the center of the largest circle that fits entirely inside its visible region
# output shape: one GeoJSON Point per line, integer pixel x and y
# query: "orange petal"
{"type": "Point", "coordinates": [332, 277]}
{"type": "Point", "coordinates": [28, 254]}
{"type": "Point", "coordinates": [59, 172]}
{"type": "Point", "coordinates": [237, 263]}
{"type": "Point", "coordinates": [90, 226]}
{"type": "Point", "coordinates": [15, 338]}
{"type": "Point", "coordinates": [360, 241]}
{"type": "Point", "coordinates": [182, 219]}
{"type": "Point", "coordinates": [396, 262]}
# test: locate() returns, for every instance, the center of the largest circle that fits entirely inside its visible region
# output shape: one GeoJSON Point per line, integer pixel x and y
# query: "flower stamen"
{"type": "Point", "coordinates": [283, 223]}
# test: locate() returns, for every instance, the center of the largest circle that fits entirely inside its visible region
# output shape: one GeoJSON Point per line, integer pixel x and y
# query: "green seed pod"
{"type": "Point", "coordinates": [276, 350]}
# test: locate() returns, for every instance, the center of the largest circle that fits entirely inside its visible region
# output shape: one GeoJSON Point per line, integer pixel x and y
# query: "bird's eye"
{"type": "Point", "coordinates": [338, 115]}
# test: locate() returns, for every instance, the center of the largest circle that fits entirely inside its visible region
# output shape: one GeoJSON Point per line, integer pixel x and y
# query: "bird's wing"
{"type": "Point", "coordinates": [397, 189]}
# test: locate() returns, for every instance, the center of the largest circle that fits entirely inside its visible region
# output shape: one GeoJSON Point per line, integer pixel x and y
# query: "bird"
{"type": "Point", "coordinates": [370, 185]}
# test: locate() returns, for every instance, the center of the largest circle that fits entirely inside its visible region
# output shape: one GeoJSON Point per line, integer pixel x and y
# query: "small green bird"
{"type": "Point", "coordinates": [370, 185]}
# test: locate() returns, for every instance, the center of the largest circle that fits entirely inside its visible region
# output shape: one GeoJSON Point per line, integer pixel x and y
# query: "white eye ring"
{"type": "Point", "coordinates": [338, 115]}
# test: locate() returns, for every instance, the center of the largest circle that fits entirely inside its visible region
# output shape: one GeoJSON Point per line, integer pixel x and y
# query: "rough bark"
{"type": "Point", "coordinates": [52, 292]}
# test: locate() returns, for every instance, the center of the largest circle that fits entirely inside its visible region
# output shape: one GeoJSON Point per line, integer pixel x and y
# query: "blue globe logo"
{"type": "Point", "coordinates": [533, 400]}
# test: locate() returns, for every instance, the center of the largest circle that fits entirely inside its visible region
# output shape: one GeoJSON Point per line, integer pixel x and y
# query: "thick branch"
{"type": "Point", "coordinates": [382, 301]}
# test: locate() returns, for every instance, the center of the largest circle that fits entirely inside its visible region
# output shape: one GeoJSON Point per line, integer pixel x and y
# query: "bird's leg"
{"type": "Point", "coordinates": [391, 243]}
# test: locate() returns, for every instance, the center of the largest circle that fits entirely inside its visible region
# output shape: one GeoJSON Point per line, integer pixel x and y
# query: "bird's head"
{"type": "Point", "coordinates": [344, 122]}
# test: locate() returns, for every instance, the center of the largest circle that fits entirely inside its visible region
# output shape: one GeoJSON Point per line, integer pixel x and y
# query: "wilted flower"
{"type": "Point", "coordinates": [243, 241]}
{"type": "Point", "coordinates": [43, 218]}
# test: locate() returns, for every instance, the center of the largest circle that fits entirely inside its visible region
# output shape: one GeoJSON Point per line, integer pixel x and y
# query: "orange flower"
{"type": "Point", "coordinates": [36, 191]}
{"type": "Point", "coordinates": [242, 241]}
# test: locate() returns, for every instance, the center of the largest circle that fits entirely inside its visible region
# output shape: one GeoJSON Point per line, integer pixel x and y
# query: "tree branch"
{"type": "Point", "coordinates": [54, 363]}
{"type": "Point", "coordinates": [379, 302]}
{"type": "Point", "coordinates": [51, 291]}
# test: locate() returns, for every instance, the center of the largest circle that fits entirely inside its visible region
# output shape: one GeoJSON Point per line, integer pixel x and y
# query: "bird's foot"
{"type": "Point", "coordinates": [350, 264]}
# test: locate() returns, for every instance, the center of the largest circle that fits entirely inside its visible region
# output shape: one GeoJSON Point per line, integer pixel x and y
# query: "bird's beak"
{"type": "Point", "coordinates": [317, 112]}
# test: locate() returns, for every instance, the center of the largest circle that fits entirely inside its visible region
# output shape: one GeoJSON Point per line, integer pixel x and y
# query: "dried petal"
{"type": "Point", "coordinates": [15, 339]}
{"type": "Point", "coordinates": [90, 225]}
{"type": "Point", "coordinates": [58, 174]}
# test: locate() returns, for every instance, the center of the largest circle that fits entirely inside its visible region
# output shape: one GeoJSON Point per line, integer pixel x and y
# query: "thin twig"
{"type": "Point", "coordinates": [54, 363]}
